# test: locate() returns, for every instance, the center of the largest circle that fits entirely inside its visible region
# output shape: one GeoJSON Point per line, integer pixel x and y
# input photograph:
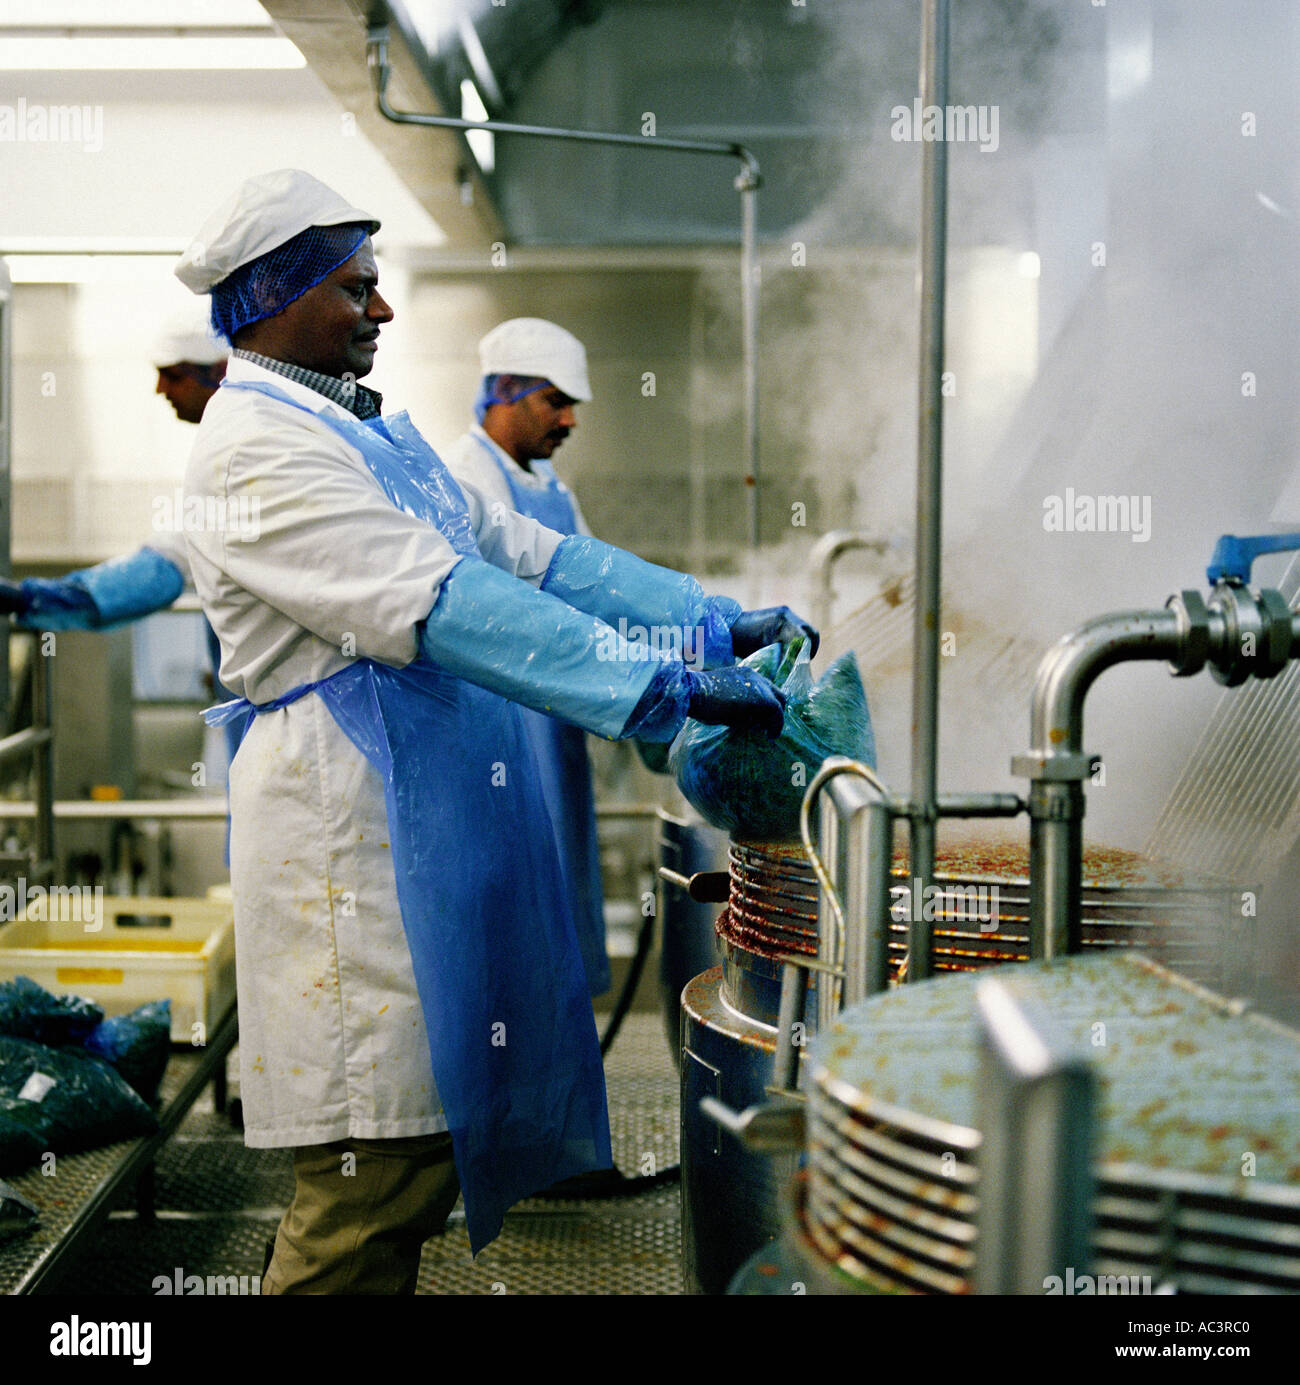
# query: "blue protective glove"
{"type": "Point", "coordinates": [42, 604]}
{"type": "Point", "coordinates": [494, 630]}
{"type": "Point", "coordinates": [751, 630]}
{"type": "Point", "coordinates": [737, 697]}
{"type": "Point", "coordinates": [97, 598]}
{"type": "Point", "coordinates": [641, 600]}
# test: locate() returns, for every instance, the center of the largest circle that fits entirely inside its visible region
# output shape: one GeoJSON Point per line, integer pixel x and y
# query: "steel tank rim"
{"type": "Point", "coordinates": [695, 1005]}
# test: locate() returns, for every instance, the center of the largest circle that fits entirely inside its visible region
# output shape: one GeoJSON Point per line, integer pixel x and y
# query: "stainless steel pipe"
{"type": "Point", "coordinates": [821, 559]}
{"type": "Point", "coordinates": [22, 743]}
{"type": "Point", "coordinates": [1057, 763]}
{"type": "Point", "coordinates": [1240, 633]}
{"type": "Point", "coordinates": [1073, 663]}
{"type": "Point", "coordinates": [748, 181]}
{"type": "Point", "coordinates": [929, 479]}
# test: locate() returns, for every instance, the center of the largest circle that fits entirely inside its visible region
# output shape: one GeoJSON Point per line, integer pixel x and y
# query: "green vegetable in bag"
{"type": "Point", "coordinates": [752, 787]}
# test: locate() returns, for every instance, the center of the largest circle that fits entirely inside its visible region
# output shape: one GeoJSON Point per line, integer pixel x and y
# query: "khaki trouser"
{"type": "Point", "coordinates": [361, 1211]}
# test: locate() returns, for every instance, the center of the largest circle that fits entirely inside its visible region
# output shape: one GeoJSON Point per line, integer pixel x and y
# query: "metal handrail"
{"type": "Point", "coordinates": [160, 809]}
{"type": "Point", "coordinates": [37, 741]}
{"type": "Point", "coordinates": [21, 743]}
{"type": "Point", "coordinates": [163, 809]}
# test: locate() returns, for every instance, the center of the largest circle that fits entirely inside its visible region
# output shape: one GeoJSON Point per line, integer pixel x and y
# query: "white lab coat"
{"type": "Point", "coordinates": [171, 544]}
{"type": "Point", "coordinates": [332, 1038]}
{"type": "Point", "coordinates": [470, 461]}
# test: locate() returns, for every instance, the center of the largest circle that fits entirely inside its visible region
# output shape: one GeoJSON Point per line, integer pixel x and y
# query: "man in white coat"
{"type": "Point", "coordinates": [413, 1010]}
{"type": "Point", "coordinates": [190, 362]}
{"type": "Point", "coordinates": [533, 377]}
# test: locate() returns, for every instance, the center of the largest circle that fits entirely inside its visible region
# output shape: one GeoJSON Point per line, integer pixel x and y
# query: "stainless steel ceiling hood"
{"type": "Point", "coordinates": [496, 47]}
{"type": "Point", "coordinates": [331, 35]}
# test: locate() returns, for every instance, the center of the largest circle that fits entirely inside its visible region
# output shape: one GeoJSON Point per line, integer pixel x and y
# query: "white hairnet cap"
{"type": "Point", "coordinates": [533, 346]}
{"type": "Point", "coordinates": [187, 336]}
{"type": "Point", "coordinates": [264, 212]}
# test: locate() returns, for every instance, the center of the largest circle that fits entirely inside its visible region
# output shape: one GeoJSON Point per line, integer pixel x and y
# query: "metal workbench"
{"type": "Point", "coordinates": [74, 1200]}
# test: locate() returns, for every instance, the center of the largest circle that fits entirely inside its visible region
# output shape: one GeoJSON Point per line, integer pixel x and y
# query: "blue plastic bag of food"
{"type": "Point", "coordinates": [63, 1100]}
{"type": "Point", "coordinates": [21, 1143]}
{"type": "Point", "coordinates": [137, 1045]}
{"type": "Point", "coordinates": [28, 1011]}
{"type": "Point", "coordinates": [752, 787]}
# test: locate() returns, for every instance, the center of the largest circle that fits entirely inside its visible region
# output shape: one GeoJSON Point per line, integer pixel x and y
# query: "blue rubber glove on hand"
{"type": "Point", "coordinates": [751, 630]}
{"type": "Point", "coordinates": [96, 598]}
{"type": "Point", "coordinates": [44, 604]}
{"type": "Point", "coordinates": [13, 601]}
{"type": "Point", "coordinates": [737, 697]}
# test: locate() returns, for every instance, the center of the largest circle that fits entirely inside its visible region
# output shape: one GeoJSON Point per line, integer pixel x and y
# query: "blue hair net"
{"type": "Point", "coordinates": [487, 394]}
{"type": "Point", "coordinates": [267, 285]}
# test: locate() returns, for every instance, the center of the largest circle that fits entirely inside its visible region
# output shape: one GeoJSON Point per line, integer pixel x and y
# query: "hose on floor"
{"type": "Point", "coordinates": [610, 1182]}
{"type": "Point", "coordinates": [630, 983]}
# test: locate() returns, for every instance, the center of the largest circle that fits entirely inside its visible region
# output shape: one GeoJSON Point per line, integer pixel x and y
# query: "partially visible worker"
{"type": "Point", "coordinates": [533, 377]}
{"type": "Point", "coordinates": [190, 362]}
{"type": "Point", "coordinates": [414, 1014]}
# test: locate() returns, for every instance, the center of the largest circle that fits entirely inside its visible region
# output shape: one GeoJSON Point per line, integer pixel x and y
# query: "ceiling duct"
{"type": "Point", "coordinates": [496, 47]}
{"type": "Point", "coordinates": [438, 170]}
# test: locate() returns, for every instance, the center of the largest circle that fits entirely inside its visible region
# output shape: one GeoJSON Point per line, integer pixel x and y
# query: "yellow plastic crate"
{"type": "Point", "coordinates": [183, 950]}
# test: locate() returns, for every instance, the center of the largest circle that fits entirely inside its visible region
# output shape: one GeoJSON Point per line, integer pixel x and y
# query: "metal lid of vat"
{"type": "Point", "coordinates": [1188, 1079]}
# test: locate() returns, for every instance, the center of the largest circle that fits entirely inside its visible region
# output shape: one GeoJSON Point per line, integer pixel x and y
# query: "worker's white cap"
{"type": "Point", "coordinates": [533, 346]}
{"type": "Point", "coordinates": [265, 212]}
{"type": "Point", "coordinates": [187, 336]}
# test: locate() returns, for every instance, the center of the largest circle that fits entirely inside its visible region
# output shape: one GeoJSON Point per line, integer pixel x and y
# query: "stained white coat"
{"type": "Point", "coordinates": [332, 1040]}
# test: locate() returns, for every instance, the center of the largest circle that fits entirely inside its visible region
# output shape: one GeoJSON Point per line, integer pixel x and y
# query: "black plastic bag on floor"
{"type": "Point", "coordinates": [65, 1099]}
{"type": "Point", "coordinates": [21, 1146]}
{"type": "Point", "coordinates": [137, 1045]}
{"type": "Point", "coordinates": [17, 1215]}
{"type": "Point", "coordinates": [752, 787]}
{"type": "Point", "coordinates": [28, 1011]}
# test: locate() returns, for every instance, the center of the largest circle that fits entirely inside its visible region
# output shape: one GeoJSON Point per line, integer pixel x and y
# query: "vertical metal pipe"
{"type": "Point", "coordinates": [856, 846]}
{"type": "Point", "coordinates": [1055, 870]}
{"type": "Point", "coordinates": [747, 183]}
{"type": "Point", "coordinates": [929, 484]}
{"type": "Point", "coordinates": [794, 1001]}
{"type": "Point", "coordinates": [43, 766]}
{"type": "Point", "coordinates": [834, 838]}
{"type": "Point", "coordinates": [880, 836]}
{"type": "Point", "coordinates": [1057, 765]}
{"type": "Point", "coordinates": [855, 894]}
{"type": "Point", "coordinates": [829, 994]}
{"type": "Point", "coordinates": [867, 858]}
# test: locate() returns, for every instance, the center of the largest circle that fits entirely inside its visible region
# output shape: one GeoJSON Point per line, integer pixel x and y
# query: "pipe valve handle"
{"type": "Point", "coordinates": [1234, 555]}
{"type": "Point", "coordinates": [777, 1127]}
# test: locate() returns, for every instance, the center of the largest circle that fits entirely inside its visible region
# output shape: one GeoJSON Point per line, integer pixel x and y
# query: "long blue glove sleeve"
{"type": "Point", "coordinates": [40, 603]}
{"type": "Point", "coordinates": [100, 597]}
{"type": "Point", "coordinates": [669, 607]}
{"type": "Point", "coordinates": [494, 630]}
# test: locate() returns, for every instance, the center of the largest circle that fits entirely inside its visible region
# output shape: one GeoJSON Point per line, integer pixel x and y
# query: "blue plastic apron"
{"type": "Point", "coordinates": [497, 965]}
{"type": "Point", "coordinates": [562, 756]}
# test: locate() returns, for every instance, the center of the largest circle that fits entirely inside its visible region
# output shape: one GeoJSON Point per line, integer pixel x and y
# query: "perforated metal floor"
{"type": "Point", "coordinates": [219, 1202]}
{"type": "Point", "coordinates": [621, 1245]}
